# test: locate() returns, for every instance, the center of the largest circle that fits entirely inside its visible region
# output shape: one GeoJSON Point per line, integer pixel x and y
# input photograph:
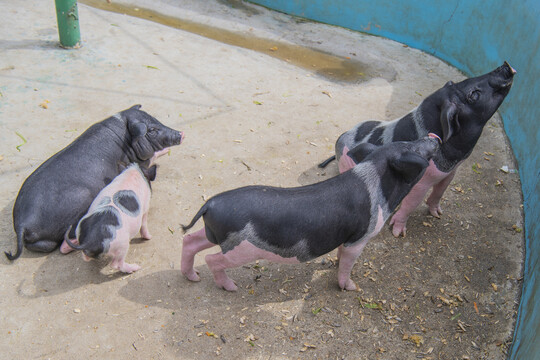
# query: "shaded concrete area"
{"type": "Point", "coordinates": [448, 290]}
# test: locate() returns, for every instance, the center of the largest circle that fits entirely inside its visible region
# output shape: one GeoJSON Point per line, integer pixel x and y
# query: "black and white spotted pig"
{"type": "Point", "coordinates": [292, 225]}
{"type": "Point", "coordinates": [116, 215]}
{"type": "Point", "coordinates": [456, 112]}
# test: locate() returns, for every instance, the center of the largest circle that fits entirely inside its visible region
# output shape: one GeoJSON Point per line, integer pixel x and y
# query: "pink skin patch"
{"type": "Point", "coordinates": [345, 162]}
{"type": "Point", "coordinates": [432, 178]}
{"type": "Point", "coordinates": [347, 256]}
{"type": "Point", "coordinates": [193, 243]}
{"type": "Point", "coordinates": [243, 253]}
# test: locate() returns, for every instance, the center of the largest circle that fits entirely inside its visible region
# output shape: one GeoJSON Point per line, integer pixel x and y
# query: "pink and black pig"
{"type": "Point", "coordinates": [457, 113]}
{"type": "Point", "coordinates": [58, 193]}
{"type": "Point", "coordinates": [292, 225]}
{"type": "Point", "coordinates": [117, 214]}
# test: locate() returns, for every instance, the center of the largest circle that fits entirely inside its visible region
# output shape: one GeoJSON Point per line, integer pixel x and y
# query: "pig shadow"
{"type": "Point", "coordinates": [63, 273]}
{"type": "Point", "coordinates": [267, 294]}
{"type": "Point", "coordinates": [257, 284]}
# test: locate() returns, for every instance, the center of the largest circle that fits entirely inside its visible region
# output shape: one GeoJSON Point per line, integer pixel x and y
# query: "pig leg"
{"type": "Point", "coordinates": [408, 204]}
{"type": "Point", "coordinates": [339, 251]}
{"type": "Point", "coordinates": [42, 246]}
{"type": "Point", "coordinates": [348, 256]}
{"type": "Point", "coordinates": [121, 265]}
{"type": "Point", "coordinates": [218, 263]}
{"type": "Point", "coordinates": [119, 253]}
{"type": "Point", "coordinates": [193, 243]}
{"type": "Point", "coordinates": [242, 254]}
{"type": "Point", "coordinates": [434, 199]}
{"type": "Point", "coordinates": [65, 248]}
{"type": "Point", "coordinates": [144, 227]}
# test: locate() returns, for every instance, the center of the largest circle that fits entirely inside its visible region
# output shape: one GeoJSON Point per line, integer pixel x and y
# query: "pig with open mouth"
{"type": "Point", "coordinates": [58, 193]}
{"type": "Point", "coordinates": [457, 113]}
{"type": "Point", "coordinates": [292, 225]}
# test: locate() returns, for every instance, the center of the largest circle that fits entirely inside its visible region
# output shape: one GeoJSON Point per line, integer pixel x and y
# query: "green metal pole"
{"type": "Point", "coordinates": [67, 17]}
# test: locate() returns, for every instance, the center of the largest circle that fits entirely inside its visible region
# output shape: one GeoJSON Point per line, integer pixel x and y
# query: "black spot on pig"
{"type": "Point", "coordinates": [98, 230]}
{"type": "Point", "coordinates": [364, 129]}
{"type": "Point", "coordinates": [128, 202]}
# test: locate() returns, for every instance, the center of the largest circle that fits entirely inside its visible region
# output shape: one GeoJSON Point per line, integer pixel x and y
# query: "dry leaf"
{"type": "Point", "coordinates": [44, 104]}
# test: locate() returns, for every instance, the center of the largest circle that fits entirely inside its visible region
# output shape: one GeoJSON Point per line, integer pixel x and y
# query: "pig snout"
{"type": "Point", "coordinates": [177, 137]}
{"type": "Point", "coordinates": [509, 68]}
{"type": "Point", "coordinates": [502, 77]}
{"type": "Point", "coordinates": [427, 146]}
{"type": "Point", "coordinates": [435, 136]}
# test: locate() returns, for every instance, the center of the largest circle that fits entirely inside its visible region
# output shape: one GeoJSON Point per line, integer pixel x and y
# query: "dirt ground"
{"type": "Point", "coordinates": [449, 290]}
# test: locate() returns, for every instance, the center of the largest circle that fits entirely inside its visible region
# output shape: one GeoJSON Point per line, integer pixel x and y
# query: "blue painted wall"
{"type": "Point", "coordinates": [475, 36]}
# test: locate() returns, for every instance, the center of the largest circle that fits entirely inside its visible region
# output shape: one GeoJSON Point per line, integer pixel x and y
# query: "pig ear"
{"type": "Point", "coordinates": [408, 165]}
{"type": "Point", "coordinates": [136, 128]}
{"type": "Point", "coordinates": [139, 143]}
{"type": "Point", "coordinates": [135, 107]}
{"type": "Point", "coordinates": [150, 173]}
{"type": "Point", "coordinates": [449, 120]}
{"type": "Point", "coordinates": [359, 152]}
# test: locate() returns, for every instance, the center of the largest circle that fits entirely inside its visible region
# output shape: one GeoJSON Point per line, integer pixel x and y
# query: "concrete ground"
{"type": "Point", "coordinates": [449, 290]}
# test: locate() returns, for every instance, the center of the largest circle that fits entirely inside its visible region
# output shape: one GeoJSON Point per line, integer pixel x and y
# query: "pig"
{"type": "Point", "coordinates": [58, 193]}
{"type": "Point", "coordinates": [292, 225]}
{"type": "Point", "coordinates": [456, 112]}
{"type": "Point", "coordinates": [115, 216]}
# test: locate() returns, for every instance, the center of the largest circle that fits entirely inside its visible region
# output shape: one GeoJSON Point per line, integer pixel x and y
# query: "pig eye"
{"type": "Point", "coordinates": [152, 131]}
{"type": "Point", "coordinates": [473, 96]}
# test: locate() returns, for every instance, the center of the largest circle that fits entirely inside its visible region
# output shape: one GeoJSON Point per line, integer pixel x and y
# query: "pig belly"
{"type": "Point", "coordinates": [243, 253]}
{"type": "Point", "coordinates": [246, 252]}
{"type": "Point", "coordinates": [345, 162]}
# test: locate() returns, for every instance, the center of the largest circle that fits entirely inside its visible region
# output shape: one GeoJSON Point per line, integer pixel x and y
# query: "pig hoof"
{"type": "Point", "coordinates": [399, 229]}
{"type": "Point", "coordinates": [398, 226]}
{"type": "Point", "coordinates": [349, 286]}
{"type": "Point", "coordinates": [435, 211]}
{"type": "Point", "coordinates": [192, 275]}
{"type": "Point", "coordinates": [129, 268]}
{"type": "Point", "coordinates": [65, 248]}
{"type": "Point", "coordinates": [229, 285]}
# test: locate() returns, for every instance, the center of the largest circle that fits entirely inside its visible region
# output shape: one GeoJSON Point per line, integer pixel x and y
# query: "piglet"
{"type": "Point", "coordinates": [116, 215]}
{"type": "Point", "coordinates": [292, 225]}
{"type": "Point", "coordinates": [457, 112]}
